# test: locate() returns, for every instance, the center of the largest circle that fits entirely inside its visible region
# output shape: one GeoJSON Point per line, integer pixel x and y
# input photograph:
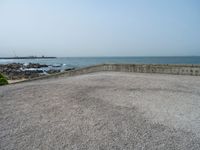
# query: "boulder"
{"type": "Point", "coordinates": [68, 69]}
{"type": "Point", "coordinates": [51, 71]}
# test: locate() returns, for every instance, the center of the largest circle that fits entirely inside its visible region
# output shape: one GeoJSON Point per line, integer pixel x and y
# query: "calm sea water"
{"type": "Point", "coordinates": [78, 62]}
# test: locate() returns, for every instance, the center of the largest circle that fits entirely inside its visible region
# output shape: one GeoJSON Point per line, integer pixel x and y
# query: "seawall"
{"type": "Point", "coordinates": [157, 68]}
{"type": "Point", "coordinates": [193, 70]}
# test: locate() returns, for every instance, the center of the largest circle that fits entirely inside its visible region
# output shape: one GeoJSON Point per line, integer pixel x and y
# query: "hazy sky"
{"type": "Point", "coordinates": [99, 27]}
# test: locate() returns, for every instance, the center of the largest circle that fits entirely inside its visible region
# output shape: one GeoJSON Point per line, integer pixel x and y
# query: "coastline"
{"type": "Point", "coordinates": [168, 69]}
{"type": "Point", "coordinates": [19, 71]}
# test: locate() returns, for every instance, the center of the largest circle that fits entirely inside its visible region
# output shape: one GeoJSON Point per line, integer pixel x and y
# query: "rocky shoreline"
{"type": "Point", "coordinates": [17, 71]}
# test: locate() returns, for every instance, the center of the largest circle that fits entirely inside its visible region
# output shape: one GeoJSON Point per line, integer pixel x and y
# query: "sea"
{"type": "Point", "coordinates": [79, 62]}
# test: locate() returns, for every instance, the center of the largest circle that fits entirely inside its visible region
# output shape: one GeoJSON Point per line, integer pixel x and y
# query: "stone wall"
{"type": "Point", "coordinates": [159, 68]}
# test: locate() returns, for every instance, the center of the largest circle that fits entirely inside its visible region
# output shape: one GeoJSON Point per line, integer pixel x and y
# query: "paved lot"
{"type": "Point", "coordinates": [106, 110]}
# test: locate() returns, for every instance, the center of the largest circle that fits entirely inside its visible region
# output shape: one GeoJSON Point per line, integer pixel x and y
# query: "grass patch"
{"type": "Point", "coordinates": [3, 80]}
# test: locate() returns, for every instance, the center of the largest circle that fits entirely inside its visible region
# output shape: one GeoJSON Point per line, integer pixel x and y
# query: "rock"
{"type": "Point", "coordinates": [68, 69]}
{"type": "Point", "coordinates": [13, 66]}
{"type": "Point", "coordinates": [51, 71]}
{"type": "Point", "coordinates": [16, 71]}
{"type": "Point", "coordinates": [15, 74]}
{"type": "Point", "coordinates": [31, 74]}
{"type": "Point", "coordinates": [31, 65]}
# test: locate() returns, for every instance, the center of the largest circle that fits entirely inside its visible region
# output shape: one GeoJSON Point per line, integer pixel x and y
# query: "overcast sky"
{"type": "Point", "coordinates": [100, 27]}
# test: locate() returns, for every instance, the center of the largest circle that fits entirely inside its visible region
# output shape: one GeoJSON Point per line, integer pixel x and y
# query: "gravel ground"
{"type": "Point", "coordinates": [107, 110]}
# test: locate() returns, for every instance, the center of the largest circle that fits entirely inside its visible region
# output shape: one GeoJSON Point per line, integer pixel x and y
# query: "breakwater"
{"type": "Point", "coordinates": [193, 70]}
{"type": "Point", "coordinates": [30, 57]}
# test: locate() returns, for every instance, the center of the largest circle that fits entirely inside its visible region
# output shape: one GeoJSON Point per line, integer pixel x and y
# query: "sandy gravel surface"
{"type": "Point", "coordinates": [106, 110]}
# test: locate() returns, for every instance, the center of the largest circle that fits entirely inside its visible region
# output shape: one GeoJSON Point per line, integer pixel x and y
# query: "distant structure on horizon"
{"type": "Point", "coordinates": [28, 57]}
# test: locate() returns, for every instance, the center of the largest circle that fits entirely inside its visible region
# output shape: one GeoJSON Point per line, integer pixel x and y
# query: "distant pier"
{"type": "Point", "coordinates": [30, 57]}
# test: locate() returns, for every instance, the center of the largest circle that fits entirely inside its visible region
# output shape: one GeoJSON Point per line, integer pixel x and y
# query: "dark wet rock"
{"type": "Point", "coordinates": [31, 65]}
{"type": "Point", "coordinates": [68, 69]}
{"type": "Point", "coordinates": [51, 71]}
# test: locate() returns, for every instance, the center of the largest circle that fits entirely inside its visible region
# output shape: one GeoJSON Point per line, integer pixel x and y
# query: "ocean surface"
{"type": "Point", "coordinates": [79, 62]}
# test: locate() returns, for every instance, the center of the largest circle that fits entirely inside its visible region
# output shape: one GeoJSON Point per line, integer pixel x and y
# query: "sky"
{"type": "Point", "coordinates": [75, 28]}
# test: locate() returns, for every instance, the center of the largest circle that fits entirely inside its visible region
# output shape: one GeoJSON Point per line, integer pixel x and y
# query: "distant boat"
{"type": "Point", "coordinates": [29, 57]}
